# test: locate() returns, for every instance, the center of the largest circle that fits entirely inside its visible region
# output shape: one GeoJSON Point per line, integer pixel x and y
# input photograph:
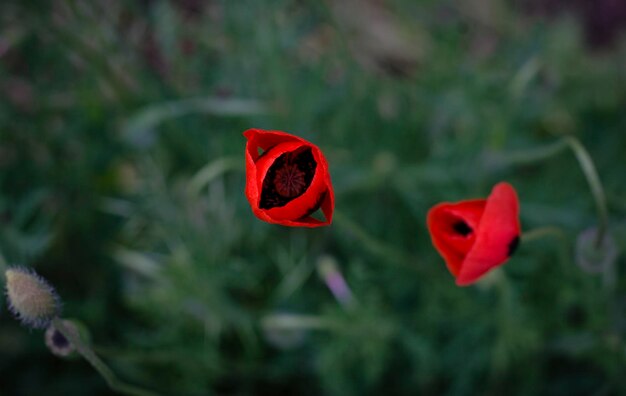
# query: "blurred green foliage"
{"type": "Point", "coordinates": [121, 174]}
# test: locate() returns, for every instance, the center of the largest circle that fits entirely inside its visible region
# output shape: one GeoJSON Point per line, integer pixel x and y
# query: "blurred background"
{"type": "Point", "coordinates": [122, 178]}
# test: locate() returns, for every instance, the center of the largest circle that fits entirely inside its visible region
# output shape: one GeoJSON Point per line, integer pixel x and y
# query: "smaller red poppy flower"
{"type": "Point", "coordinates": [475, 236]}
{"type": "Point", "coordinates": [287, 179]}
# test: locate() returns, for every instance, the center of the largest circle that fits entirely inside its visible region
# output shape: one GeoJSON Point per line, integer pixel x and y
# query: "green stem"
{"type": "Point", "coordinates": [111, 379]}
{"type": "Point", "coordinates": [540, 232]}
{"type": "Point", "coordinates": [586, 165]}
{"type": "Point", "coordinates": [524, 157]}
{"type": "Point", "coordinates": [589, 169]}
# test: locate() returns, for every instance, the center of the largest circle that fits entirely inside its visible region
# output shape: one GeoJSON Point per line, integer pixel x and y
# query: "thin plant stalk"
{"type": "Point", "coordinates": [85, 351]}
{"type": "Point", "coordinates": [538, 233]}
{"type": "Point", "coordinates": [586, 165]}
{"type": "Point", "coordinates": [589, 169]}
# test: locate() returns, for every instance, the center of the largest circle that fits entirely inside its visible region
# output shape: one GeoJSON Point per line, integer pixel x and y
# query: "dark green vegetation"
{"type": "Point", "coordinates": [121, 182]}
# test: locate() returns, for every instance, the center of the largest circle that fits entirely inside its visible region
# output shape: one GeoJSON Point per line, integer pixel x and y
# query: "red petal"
{"type": "Point", "coordinates": [264, 140]}
{"type": "Point", "coordinates": [328, 204]}
{"type": "Point", "coordinates": [451, 245]}
{"type": "Point", "coordinates": [497, 233]}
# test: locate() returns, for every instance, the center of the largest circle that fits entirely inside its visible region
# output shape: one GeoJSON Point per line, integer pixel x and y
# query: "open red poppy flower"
{"type": "Point", "coordinates": [476, 235]}
{"type": "Point", "coordinates": [287, 179]}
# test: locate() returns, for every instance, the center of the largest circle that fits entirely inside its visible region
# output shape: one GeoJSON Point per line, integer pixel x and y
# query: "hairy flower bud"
{"type": "Point", "coordinates": [31, 298]}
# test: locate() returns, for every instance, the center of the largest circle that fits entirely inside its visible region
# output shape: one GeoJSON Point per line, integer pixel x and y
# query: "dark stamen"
{"type": "Point", "coordinates": [513, 246]}
{"type": "Point", "coordinates": [289, 181]}
{"type": "Point", "coordinates": [289, 177]}
{"type": "Point", "coordinates": [461, 227]}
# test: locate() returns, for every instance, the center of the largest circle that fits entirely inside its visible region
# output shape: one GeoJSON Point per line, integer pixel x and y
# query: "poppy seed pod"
{"type": "Point", "coordinates": [31, 298]}
{"type": "Point", "coordinates": [475, 236]}
{"type": "Point", "coordinates": [287, 179]}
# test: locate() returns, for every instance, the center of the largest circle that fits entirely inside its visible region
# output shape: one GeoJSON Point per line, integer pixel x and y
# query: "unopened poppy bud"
{"type": "Point", "coordinates": [57, 343]}
{"type": "Point", "coordinates": [31, 298]}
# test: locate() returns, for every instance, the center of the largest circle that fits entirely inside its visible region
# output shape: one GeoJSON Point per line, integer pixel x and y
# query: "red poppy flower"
{"type": "Point", "coordinates": [476, 235]}
{"type": "Point", "coordinates": [287, 179]}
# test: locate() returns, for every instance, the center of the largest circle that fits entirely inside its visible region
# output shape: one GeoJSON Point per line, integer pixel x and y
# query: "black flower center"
{"type": "Point", "coordinates": [461, 227]}
{"type": "Point", "coordinates": [289, 177]}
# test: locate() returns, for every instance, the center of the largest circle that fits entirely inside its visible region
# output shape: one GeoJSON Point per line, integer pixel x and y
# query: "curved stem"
{"type": "Point", "coordinates": [540, 232]}
{"type": "Point", "coordinates": [589, 169]}
{"type": "Point", "coordinates": [111, 379]}
{"type": "Point", "coordinates": [586, 165]}
{"type": "Point", "coordinates": [523, 157]}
